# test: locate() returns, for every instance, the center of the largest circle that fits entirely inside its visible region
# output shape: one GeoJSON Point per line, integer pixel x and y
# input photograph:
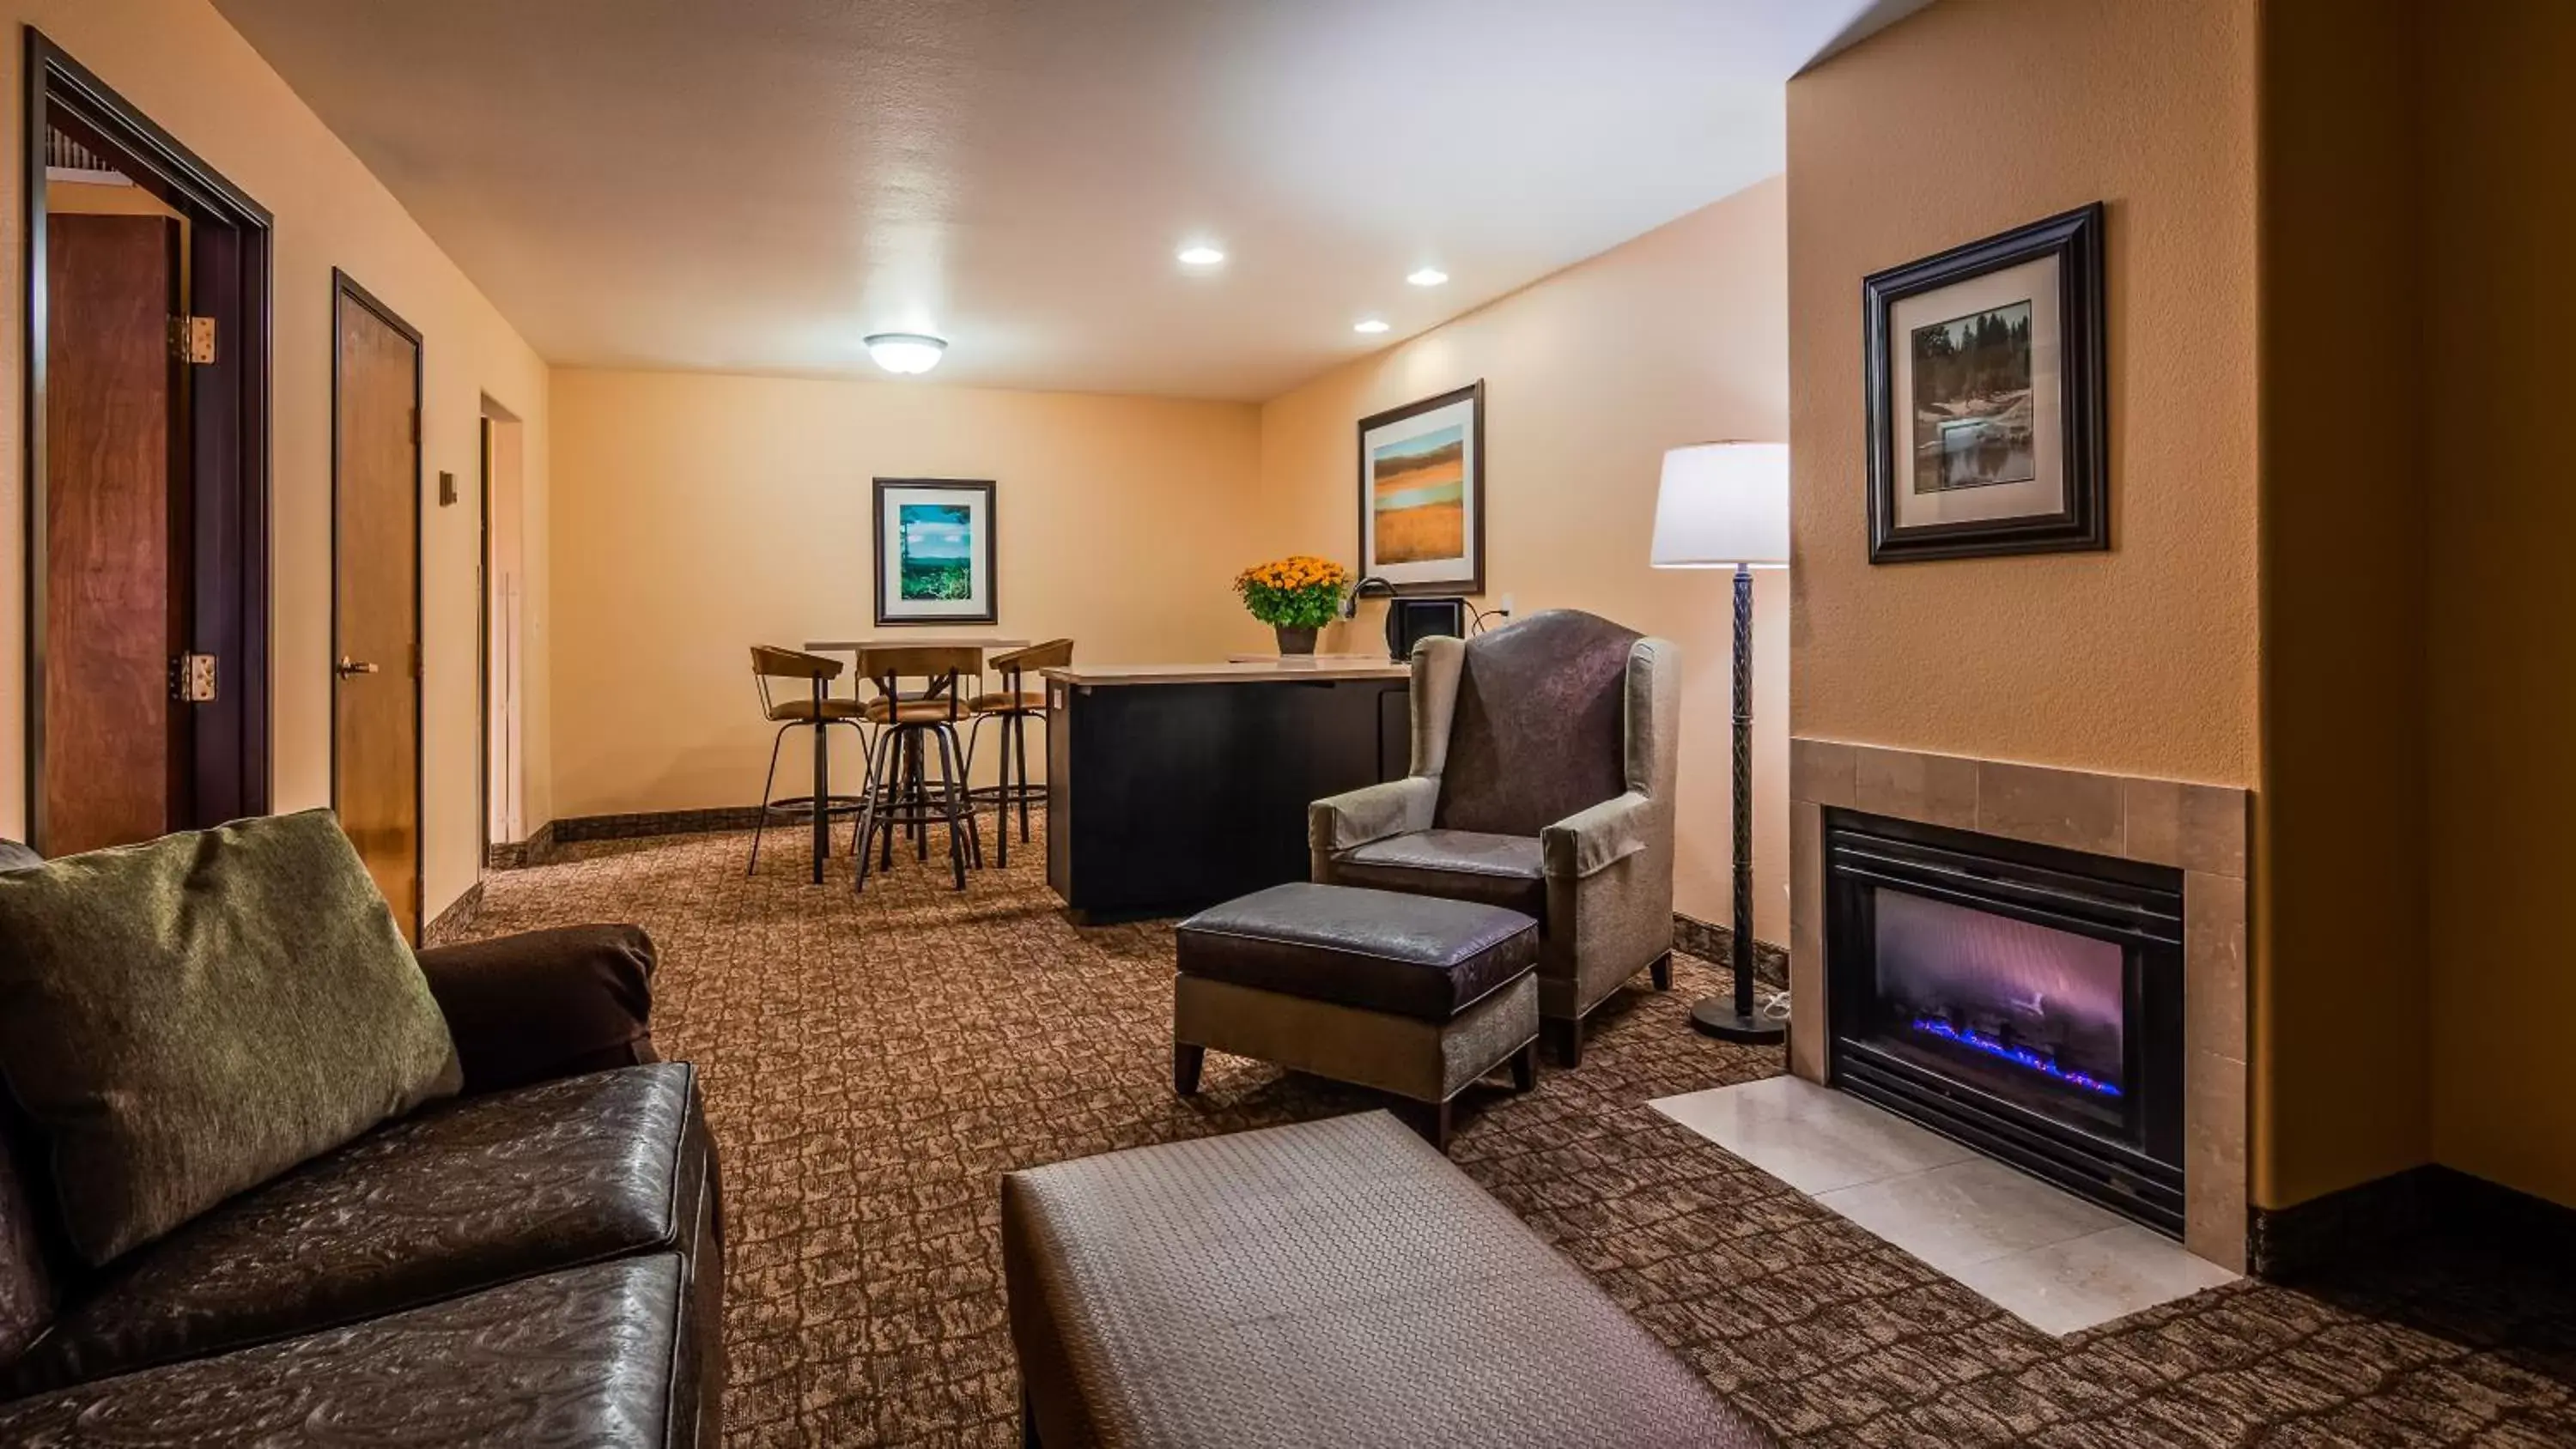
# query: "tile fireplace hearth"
{"type": "Point", "coordinates": [2046, 965]}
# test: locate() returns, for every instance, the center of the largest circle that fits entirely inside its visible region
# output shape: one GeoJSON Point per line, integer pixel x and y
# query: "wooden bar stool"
{"type": "Point", "coordinates": [1011, 708]}
{"type": "Point", "coordinates": [900, 795]}
{"type": "Point", "coordinates": [818, 711]}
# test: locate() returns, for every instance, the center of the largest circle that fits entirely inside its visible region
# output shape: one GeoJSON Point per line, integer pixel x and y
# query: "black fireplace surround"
{"type": "Point", "coordinates": [2024, 1000]}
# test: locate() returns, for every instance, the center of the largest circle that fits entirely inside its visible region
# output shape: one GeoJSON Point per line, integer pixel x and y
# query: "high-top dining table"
{"type": "Point", "coordinates": [823, 755]}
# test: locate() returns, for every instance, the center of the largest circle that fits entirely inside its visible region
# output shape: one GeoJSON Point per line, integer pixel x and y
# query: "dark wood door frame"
{"type": "Point", "coordinates": [345, 292]}
{"type": "Point", "coordinates": [227, 430]}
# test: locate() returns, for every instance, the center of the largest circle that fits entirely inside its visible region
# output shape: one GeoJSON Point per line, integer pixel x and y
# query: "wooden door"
{"type": "Point", "coordinates": [114, 751]}
{"type": "Point", "coordinates": [375, 497]}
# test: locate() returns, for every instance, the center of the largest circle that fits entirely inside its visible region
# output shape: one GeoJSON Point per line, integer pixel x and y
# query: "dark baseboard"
{"type": "Point", "coordinates": [2376, 1215]}
{"type": "Point", "coordinates": [537, 849]}
{"type": "Point", "coordinates": [1716, 943]}
{"type": "Point", "coordinates": [645, 823]}
{"type": "Point", "coordinates": [458, 916]}
{"type": "Point", "coordinates": [542, 843]}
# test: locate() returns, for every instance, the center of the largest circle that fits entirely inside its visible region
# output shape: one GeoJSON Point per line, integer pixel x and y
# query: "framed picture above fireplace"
{"type": "Point", "coordinates": [1985, 377]}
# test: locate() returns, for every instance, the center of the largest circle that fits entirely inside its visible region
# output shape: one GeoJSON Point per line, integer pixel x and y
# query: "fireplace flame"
{"type": "Point", "coordinates": [2019, 1056]}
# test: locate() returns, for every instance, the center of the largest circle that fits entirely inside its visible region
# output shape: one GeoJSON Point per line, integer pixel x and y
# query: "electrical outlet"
{"type": "Point", "coordinates": [1505, 607]}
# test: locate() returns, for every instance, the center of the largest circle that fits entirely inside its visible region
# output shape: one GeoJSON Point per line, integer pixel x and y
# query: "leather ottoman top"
{"type": "Point", "coordinates": [1330, 1283]}
{"type": "Point", "coordinates": [1417, 956]}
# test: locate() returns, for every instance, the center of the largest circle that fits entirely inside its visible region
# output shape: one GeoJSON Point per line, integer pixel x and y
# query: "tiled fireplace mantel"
{"type": "Point", "coordinates": [2200, 830]}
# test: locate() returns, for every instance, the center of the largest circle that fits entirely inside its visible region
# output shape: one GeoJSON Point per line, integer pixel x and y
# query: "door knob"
{"type": "Point", "coordinates": [348, 666]}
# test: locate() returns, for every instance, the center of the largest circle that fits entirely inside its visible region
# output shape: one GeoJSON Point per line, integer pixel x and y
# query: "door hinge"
{"type": "Point", "coordinates": [192, 678]}
{"type": "Point", "coordinates": [415, 427]}
{"type": "Point", "coordinates": [192, 339]}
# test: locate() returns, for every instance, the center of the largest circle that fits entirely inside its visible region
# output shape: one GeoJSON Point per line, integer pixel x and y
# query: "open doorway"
{"type": "Point", "coordinates": [505, 769]}
{"type": "Point", "coordinates": [146, 291]}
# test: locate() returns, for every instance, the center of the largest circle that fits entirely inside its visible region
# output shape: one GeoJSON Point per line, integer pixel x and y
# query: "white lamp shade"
{"type": "Point", "coordinates": [1723, 504]}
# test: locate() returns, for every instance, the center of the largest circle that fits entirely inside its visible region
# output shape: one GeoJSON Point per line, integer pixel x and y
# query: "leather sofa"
{"type": "Point", "coordinates": [536, 1261]}
{"type": "Point", "coordinates": [1544, 758]}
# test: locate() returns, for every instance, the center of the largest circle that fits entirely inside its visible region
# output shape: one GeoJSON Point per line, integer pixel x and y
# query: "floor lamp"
{"type": "Point", "coordinates": [1726, 505]}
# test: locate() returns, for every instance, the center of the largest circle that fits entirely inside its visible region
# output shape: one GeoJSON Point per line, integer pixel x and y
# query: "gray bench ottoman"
{"type": "Point", "coordinates": [1334, 1283]}
{"type": "Point", "coordinates": [1409, 994]}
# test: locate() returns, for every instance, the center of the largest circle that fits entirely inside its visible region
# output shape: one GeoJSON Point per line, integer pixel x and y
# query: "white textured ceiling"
{"type": "Point", "coordinates": [753, 185]}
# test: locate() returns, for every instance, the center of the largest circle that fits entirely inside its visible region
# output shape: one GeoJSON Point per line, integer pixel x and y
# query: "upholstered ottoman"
{"type": "Point", "coordinates": [1413, 995]}
{"type": "Point", "coordinates": [1334, 1283]}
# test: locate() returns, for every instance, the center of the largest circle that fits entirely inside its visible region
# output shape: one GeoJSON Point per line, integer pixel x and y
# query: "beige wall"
{"type": "Point", "coordinates": [2499, 211]}
{"type": "Point", "coordinates": [184, 67]}
{"type": "Point", "coordinates": [2343, 996]}
{"type": "Point", "coordinates": [1675, 337]}
{"type": "Point", "coordinates": [1967, 119]}
{"type": "Point", "coordinates": [698, 515]}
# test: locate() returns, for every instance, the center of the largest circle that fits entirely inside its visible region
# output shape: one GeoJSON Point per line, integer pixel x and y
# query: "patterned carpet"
{"type": "Point", "coordinates": [873, 1064]}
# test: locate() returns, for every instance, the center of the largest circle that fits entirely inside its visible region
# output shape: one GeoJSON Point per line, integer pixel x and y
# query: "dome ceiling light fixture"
{"type": "Point", "coordinates": [1427, 277]}
{"type": "Point", "coordinates": [905, 353]}
{"type": "Point", "coordinates": [1370, 325]}
{"type": "Point", "coordinates": [1201, 255]}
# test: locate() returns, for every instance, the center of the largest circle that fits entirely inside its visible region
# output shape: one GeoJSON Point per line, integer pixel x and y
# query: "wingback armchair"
{"type": "Point", "coordinates": [1542, 780]}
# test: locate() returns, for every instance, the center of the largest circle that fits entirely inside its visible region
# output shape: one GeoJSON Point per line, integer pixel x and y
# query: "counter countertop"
{"type": "Point", "coordinates": [1254, 671]}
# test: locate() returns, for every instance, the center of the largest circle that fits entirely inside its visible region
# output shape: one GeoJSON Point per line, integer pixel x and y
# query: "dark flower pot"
{"type": "Point", "coordinates": [1295, 639]}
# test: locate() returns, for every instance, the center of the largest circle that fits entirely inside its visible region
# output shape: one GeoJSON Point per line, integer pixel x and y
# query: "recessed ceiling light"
{"type": "Point", "coordinates": [1200, 254]}
{"type": "Point", "coordinates": [1370, 325]}
{"type": "Point", "coordinates": [905, 352]}
{"type": "Point", "coordinates": [1428, 277]}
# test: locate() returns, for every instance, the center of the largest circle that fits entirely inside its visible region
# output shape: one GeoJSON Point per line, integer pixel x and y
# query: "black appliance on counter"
{"type": "Point", "coordinates": [1410, 621]}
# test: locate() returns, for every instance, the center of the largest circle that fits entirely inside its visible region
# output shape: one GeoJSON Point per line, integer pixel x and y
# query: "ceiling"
{"type": "Point", "coordinates": [754, 185]}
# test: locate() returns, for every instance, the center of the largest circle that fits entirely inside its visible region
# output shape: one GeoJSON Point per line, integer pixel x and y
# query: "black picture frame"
{"type": "Point", "coordinates": [2075, 239]}
{"type": "Point", "coordinates": [1473, 581]}
{"type": "Point", "coordinates": [987, 551]}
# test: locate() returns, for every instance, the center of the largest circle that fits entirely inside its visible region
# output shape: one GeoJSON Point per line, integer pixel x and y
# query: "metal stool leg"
{"type": "Point", "coordinates": [768, 783]}
{"type": "Point", "coordinates": [966, 799]}
{"type": "Point", "coordinates": [880, 760]}
{"type": "Point", "coordinates": [1002, 799]}
{"type": "Point", "coordinates": [868, 765]}
{"type": "Point", "coordinates": [898, 754]}
{"type": "Point", "coordinates": [921, 759]}
{"type": "Point", "coordinates": [1020, 733]}
{"type": "Point", "coordinates": [951, 796]}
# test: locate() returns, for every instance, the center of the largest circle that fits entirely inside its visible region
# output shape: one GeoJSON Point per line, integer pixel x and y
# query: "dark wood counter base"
{"type": "Point", "coordinates": [1163, 798]}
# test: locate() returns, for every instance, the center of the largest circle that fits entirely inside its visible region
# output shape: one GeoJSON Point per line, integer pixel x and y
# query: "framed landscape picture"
{"type": "Point", "coordinates": [1986, 414]}
{"type": "Point", "coordinates": [1422, 494]}
{"type": "Point", "coordinates": [934, 551]}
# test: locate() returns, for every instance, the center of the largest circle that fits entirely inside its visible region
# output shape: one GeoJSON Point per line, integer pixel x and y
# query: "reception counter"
{"type": "Point", "coordinates": [1175, 786]}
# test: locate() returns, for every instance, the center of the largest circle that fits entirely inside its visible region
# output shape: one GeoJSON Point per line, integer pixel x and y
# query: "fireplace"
{"type": "Point", "coordinates": [2023, 999]}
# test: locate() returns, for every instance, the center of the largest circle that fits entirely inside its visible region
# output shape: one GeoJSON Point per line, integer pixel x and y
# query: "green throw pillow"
{"type": "Point", "coordinates": [188, 1018]}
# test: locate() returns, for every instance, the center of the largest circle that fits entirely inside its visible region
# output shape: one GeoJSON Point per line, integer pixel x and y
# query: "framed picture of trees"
{"type": "Point", "coordinates": [1986, 413]}
{"type": "Point", "coordinates": [934, 545]}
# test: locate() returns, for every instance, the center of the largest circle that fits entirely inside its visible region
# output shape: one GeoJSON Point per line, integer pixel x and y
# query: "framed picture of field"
{"type": "Point", "coordinates": [1986, 413]}
{"type": "Point", "coordinates": [1422, 494]}
{"type": "Point", "coordinates": [934, 551]}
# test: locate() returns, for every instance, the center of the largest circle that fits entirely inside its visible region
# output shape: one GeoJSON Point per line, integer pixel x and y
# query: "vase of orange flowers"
{"type": "Point", "coordinates": [1295, 596]}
